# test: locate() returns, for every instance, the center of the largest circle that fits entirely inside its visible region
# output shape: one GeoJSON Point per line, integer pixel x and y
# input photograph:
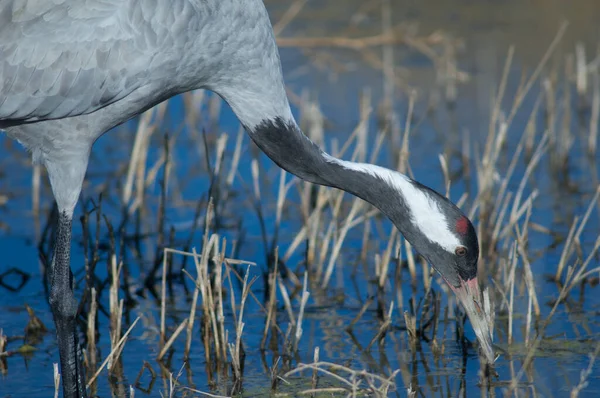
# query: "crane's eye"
{"type": "Point", "coordinates": [460, 251]}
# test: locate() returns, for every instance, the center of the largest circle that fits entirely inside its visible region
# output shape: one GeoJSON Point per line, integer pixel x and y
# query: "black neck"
{"type": "Point", "coordinates": [287, 146]}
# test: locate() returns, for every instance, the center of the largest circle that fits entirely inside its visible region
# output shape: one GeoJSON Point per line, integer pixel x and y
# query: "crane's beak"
{"type": "Point", "coordinates": [470, 297]}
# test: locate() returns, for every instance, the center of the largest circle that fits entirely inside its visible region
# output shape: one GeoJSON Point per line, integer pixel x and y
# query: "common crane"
{"type": "Point", "coordinates": [70, 70]}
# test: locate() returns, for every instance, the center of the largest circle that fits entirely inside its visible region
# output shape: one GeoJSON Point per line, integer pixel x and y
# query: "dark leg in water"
{"type": "Point", "coordinates": [64, 308]}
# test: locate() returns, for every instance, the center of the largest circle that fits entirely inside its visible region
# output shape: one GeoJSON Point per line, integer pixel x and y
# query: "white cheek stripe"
{"type": "Point", "coordinates": [424, 211]}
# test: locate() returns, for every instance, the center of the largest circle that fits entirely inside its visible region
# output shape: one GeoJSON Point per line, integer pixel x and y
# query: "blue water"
{"type": "Point", "coordinates": [574, 329]}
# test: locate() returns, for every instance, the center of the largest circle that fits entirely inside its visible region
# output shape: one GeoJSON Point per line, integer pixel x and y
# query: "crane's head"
{"type": "Point", "coordinates": [442, 234]}
{"type": "Point", "coordinates": [434, 226]}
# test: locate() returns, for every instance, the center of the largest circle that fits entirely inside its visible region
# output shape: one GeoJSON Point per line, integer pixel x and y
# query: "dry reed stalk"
{"type": "Point", "coordinates": [445, 172]}
{"type": "Point", "coordinates": [531, 127]}
{"type": "Point", "coordinates": [595, 117]}
{"type": "Point", "coordinates": [428, 273]}
{"type": "Point", "coordinates": [489, 310]}
{"type": "Point", "coordinates": [286, 300]}
{"type": "Point", "coordinates": [139, 154]}
{"type": "Point", "coordinates": [498, 220]}
{"type": "Point", "coordinates": [172, 339]}
{"type": "Point", "coordinates": [202, 283]}
{"type": "Point", "coordinates": [513, 260]}
{"type": "Point", "coordinates": [383, 328]}
{"type": "Point", "coordinates": [203, 287]}
{"type": "Point", "coordinates": [193, 102]}
{"type": "Point", "coordinates": [398, 281]}
{"type": "Point", "coordinates": [362, 130]}
{"type": "Point", "coordinates": [213, 313]}
{"type": "Point", "coordinates": [204, 393]}
{"type": "Point", "coordinates": [355, 381]}
{"type": "Point", "coordinates": [303, 301]}
{"type": "Point", "coordinates": [163, 299]}
{"type": "Point", "coordinates": [528, 321]}
{"type": "Point", "coordinates": [255, 180]}
{"type": "Point", "coordinates": [208, 304]}
{"type": "Point", "coordinates": [365, 247]}
{"type": "Point", "coordinates": [342, 42]}
{"type": "Point", "coordinates": [486, 169]}
{"type": "Point", "coordinates": [403, 158]}
{"type": "Point", "coordinates": [219, 261]}
{"type": "Point", "coordinates": [522, 239]}
{"type": "Point", "coordinates": [236, 350]}
{"type": "Point", "coordinates": [326, 241]}
{"type": "Point", "coordinates": [565, 139]}
{"type": "Point", "coordinates": [174, 382]}
{"type": "Point", "coordinates": [235, 160]}
{"type": "Point", "coordinates": [214, 108]}
{"type": "Point", "coordinates": [326, 390]}
{"type": "Point", "coordinates": [288, 16]}
{"type": "Point", "coordinates": [411, 329]}
{"type": "Point", "coordinates": [220, 152]}
{"type": "Point", "coordinates": [388, 67]}
{"type": "Point", "coordinates": [495, 117]}
{"type": "Point", "coordinates": [585, 374]}
{"type": "Point", "coordinates": [548, 85]}
{"type": "Point", "coordinates": [114, 352]}
{"type": "Point", "coordinates": [305, 229]}
{"type": "Point", "coordinates": [410, 260]}
{"type": "Point", "coordinates": [164, 161]}
{"type": "Point", "coordinates": [271, 310]}
{"type": "Point", "coordinates": [362, 311]}
{"type": "Point", "coordinates": [574, 234]}
{"type": "Point", "coordinates": [91, 332]}
{"type": "Point", "coordinates": [191, 317]}
{"type": "Point", "coordinates": [56, 379]}
{"type": "Point", "coordinates": [281, 197]}
{"type": "Point", "coordinates": [348, 224]}
{"type": "Point", "coordinates": [315, 375]}
{"type": "Point", "coordinates": [385, 259]}
{"type": "Point", "coordinates": [116, 311]}
{"type": "Point", "coordinates": [581, 70]}
{"type": "Point", "coordinates": [36, 177]}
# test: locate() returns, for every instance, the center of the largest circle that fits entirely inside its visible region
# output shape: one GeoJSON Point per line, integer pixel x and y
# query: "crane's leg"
{"type": "Point", "coordinates": [66, 177]}
{"type": "Point", "coordinates": [64, 308]}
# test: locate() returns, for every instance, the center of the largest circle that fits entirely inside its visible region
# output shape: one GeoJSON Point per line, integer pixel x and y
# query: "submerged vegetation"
{"type": "Point", "coordinates": [204, 270]}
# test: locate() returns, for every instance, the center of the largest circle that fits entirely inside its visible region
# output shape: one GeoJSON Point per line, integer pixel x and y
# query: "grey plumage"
{"type": "Point", "coordinates": [67, 58]}
{"type": "Point", "coordinates": [83, 67]}
{"type": "Point", "coordinates": [70, 70]}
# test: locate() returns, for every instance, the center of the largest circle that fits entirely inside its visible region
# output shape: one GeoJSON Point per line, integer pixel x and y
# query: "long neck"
{"type": "Point", "coordinates": [251, 82]}
{"type": "Point", "coordinates": [389, 191]}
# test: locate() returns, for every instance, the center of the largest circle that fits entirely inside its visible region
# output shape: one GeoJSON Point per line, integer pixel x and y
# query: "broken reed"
{"type": "Point", "coordinates": [214, 273]}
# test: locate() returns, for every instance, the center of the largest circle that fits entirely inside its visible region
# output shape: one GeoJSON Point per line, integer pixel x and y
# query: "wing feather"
{"type": "Point", "coordinates": [61, 58]}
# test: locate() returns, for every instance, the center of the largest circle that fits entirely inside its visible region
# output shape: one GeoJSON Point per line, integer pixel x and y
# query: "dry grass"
{"type": "Point", "coordinates": [309, 236]}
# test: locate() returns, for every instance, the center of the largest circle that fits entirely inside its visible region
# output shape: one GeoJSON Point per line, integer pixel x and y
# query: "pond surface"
{"type": "Point", "coordinates": [448, 57]}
